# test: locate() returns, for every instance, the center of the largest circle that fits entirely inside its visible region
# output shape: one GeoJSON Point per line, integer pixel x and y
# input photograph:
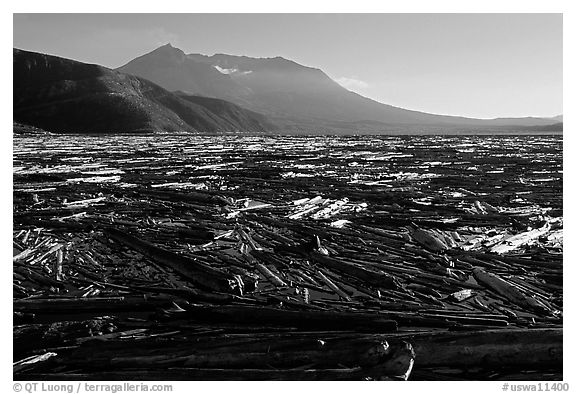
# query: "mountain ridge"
{"type": "Point", "coordinates": [293, 95]}
{"type": "Point", "coordinates": [261, 95]}
{"type": "Point", "coordinates": [63, 95]}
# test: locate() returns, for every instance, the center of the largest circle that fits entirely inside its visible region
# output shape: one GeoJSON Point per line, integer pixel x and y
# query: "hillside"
{"type": "Point", "coordinates": [66, 96]}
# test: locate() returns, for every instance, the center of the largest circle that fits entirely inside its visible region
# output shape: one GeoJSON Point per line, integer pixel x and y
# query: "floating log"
{"type": "Point", "coordinates": [428, 240]}
{"type": "Point", "coordinates": [90, 304]}
{"type": "Point", "coordinates": [462, 295]}
{"type": "Point", "coordinates": [248, 353]}
{"type": "Point", "coordinates": [335, 288]}
{"type": "Point", "coordinates": [212, 374]}
{"type": "Point", "coordinates": [266, 316]}
{"type": "Point", "coordinates": [205, 198]}
{"type": "Point", "coordinates": [375, 278]}
{"type": "Point", "coordinates": [199, 274]}
{"type": "Point", "coordinates": [38, 336]}
{"type": "Point", "coordinates": [376, 361]}
{"type": "Point", "coordinates": [515, 241]}
{"type": "Point", "coordinates": [58, 265]}
{"type": "Point", "coordinates": [273, 278]}
{"type": "Point", "coordinates": [187, 294]}
{"type": "Point", "coordinates": [509, 291]}
{"type": "Point", "coordinates": [30, 362]}
{"type": "Point", "coordinates": [518, 348]}
{"type": "Point", "coordinates": [39, 278]}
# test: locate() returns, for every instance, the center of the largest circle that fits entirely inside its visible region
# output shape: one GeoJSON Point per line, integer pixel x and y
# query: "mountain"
{"type": "Point", "coordinates": [63, 95]}
{"type": "Point", "coordinates": [555, 127]}
{"type": "Point", "coordinates": [294, 96]}
{"type": "Point", "coordinates": [237, 118]}
{"type": "Point", "coordinates": [169, 67]}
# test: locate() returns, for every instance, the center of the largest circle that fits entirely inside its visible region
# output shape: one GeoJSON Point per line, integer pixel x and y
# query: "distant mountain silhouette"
{"type": "Point", "coordinates": [63, 95]}
{"type": "Point", "coordinates": [293, 96]}
{"type": "Point", "coordinates": [555, 127]}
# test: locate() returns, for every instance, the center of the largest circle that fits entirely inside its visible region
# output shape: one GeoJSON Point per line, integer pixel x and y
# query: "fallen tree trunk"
{"type": "Point", "coordinates": [199, 274]}
{"type": "Point", "coordinates": [266, 316]}
{"type": "Point", "coordinates": [37, 277]}
{"type": "Point", "coordinates": [509, 291]}
{"type": "Point", "coordinates": [199, 374]}
{"type": "Point", "coordinates": [37, 336]}
{"type": "Point", "coordinates": [187, 293]}
{"type": "Point", "coordinates": [205, 198]}
{"type": "Point", "coordinates": [537, 348]}
{"type": "Point", "coordinates": [378, 363]}
{"type": "Point", "coordinates": [90, 304]}
{"type": "Point", "coordinates": [235, 353]}
{"type": "Point", "coordinates": [375, 278]}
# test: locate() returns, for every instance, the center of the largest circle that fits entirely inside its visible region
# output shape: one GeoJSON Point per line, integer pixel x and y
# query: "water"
{"type": "Point", "coordinates": [526, 168]}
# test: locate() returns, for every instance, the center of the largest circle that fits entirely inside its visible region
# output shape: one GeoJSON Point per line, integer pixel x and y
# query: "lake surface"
{"type": "Point", "coordinates": [506, 168]}
{"type": "Point", "coordinates": [425, 232]}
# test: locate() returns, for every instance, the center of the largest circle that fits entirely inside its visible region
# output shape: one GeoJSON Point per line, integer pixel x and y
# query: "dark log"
{"type": "Point", "coordinates": [187, 293]}
{"type": "Point", "coordinates": [509, 291]}
{"type": "Point", "coordinates": [280, 353]}
{"type": "Point", "coordinates": [375, 278]}
{"type": "Point", "coordinates": [39, 278]}
{"type": "Point", "coordinates": [311, 320]}
{"type": "Point", "coordinates": [201, 275]}
{"type": "Point", "coordinates": [195, 374]}
{"type": "Point", "coordinates": [428, 240]}
{"type": "Point", "coordinates": [535, 348]}
{"type": "Point", "coordinates": [395, 364]}
{"type": "Point", "coordinates": [472, 320]}
{"type": "Point", "coordinates": [37, 336]}
{"type": "Point", "coordinates": [58, 305]}
{"type": "Point", "coordinates": [205, 198]}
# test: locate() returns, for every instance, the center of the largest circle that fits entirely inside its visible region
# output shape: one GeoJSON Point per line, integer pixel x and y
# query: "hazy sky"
{"type": "Point", "coordinates": [477, 65]}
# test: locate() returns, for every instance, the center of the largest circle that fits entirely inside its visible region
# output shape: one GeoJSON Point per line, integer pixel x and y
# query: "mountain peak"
{"type": "Point", "coordinates": [168, 48]}
{"type": "Point", "coordinates": [161, 55]}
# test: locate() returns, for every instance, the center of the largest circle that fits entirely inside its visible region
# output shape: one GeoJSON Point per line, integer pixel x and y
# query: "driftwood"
{"type": "Point", "coordinates": [204, 198]}
{"type": "Point", "coordinates": [331, 285]}
{"type": "Point", "coordinates": [284, 352]}
{"type": "Point", "coordinates": [186, 294]}
{"type": "Point", "coordinates": [91, 304]}
{"type": "Point", "coordinates": [37, 336]}
{"type": "Point", "coordinates": [429, 240]}
{"type": "Point", "coordinates": [193, 374]}
{"type": "Point", "coordinates": [270, 275]}
{"type": "Point", "coordinates": [37, 277]}
{"type": "Point", "coordinates": [31, 362]}
{"type": "Point", "coordinates": [245, 259]}
{"type": "Point", "coordinates": [364, 358]}
{"type": "Point", "coordinates": [379, 279]}
{"type": "Point", "coordinates": [201, 275]}
{"type": "Point", "coordinates": [518, 348]}
{"type": "Point", "coordinates": [310, 320]}
{"type": "Point", "coordinates": [509, 291]}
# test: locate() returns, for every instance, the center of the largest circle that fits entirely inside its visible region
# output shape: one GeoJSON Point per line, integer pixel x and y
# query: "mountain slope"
{"type": "Point", "coordinates": [169, 67]}
{"type": "Point", "coordinates": [63, 95]}
{"type": "Point", "coordinates": [231, 114]}
{"type": "Point", "coordinates": [292, 95]}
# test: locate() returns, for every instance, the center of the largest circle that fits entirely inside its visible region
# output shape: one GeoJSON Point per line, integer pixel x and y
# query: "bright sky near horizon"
{"type": "Point", "coordinates": [476, 65]}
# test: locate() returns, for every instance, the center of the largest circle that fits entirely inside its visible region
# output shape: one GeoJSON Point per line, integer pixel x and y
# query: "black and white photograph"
{"type": "Point", "coordinates": [308, 196]}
